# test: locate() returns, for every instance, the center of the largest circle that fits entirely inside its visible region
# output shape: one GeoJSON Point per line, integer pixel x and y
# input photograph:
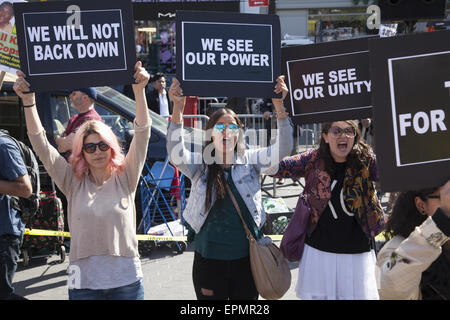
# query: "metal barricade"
{"type": "Point", "coordinates": [307, 137]}
{"type": "Point", "coordinates": [193, 120]}
{"type": "Point", "coordinates": [203, 104]}
{"type": "Point", "coordinates": [255, 130]}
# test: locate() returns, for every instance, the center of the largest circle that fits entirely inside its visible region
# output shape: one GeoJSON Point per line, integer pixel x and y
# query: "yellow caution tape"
{"type": "Point", "coordinates": [48, 233]}
{"type": "Point", "coordinates": [142, 237]}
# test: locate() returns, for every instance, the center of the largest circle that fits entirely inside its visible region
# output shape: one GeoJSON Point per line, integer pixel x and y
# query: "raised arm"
{"type": "Point", "coordinates": [55, 164]}
{"type": "Point", "coordinates": [267, 159]}
{"type": "Point", "coordinates": [141, 77]}
{"type": "Point", "coordinates": [22, 89]}
{"type": "Point", "coordinates": [137, 153]}
{"type": "Point", "coordinates": [187, 162]}
{"type": "Point", "coordinates": [176, 95]}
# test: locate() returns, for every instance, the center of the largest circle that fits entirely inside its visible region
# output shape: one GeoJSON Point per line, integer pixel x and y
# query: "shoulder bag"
{"type": "Point", "coordinates": [270, 270]}
{"type": "Point", "coordinates": [293, 241]}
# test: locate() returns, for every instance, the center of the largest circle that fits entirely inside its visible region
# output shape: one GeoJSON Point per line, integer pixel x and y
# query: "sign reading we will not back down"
{"type": "Point", "coordinates": [227, 54]}
{"type": "Point", "coordinates": [72, 44]}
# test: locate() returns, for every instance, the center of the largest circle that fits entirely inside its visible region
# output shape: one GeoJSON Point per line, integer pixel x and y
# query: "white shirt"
{"type": "Point", "coordinates": [163, 104]}
{"type": "Point", "coordinates": [104, 272]}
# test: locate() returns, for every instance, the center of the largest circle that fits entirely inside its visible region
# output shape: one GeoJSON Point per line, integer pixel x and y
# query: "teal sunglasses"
{"type": "Point", "coordinates": [220, 127]}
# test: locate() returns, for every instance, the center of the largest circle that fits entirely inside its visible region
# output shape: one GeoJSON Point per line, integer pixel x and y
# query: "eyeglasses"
{"type": "Point", "coordinates": [433, 197]}
{"type": "Point", "coordinates": [220, 127]}
{"type": "Point", "coordinates": [337, 132]}
{"type": "Point", "coordinates": [91, 147]}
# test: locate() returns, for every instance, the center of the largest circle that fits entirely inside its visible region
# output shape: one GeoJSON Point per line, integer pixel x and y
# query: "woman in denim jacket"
{"type": "Point", "coordinates": [345, 214]}
{"type": "Point", "coordinates": [221, 268]}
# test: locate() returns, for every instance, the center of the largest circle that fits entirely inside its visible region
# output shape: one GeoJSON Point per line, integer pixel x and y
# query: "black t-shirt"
{"type": "Point", "coordinates": [337, 230]}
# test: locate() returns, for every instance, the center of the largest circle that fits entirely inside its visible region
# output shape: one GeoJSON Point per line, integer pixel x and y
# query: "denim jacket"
{"type": "Point", "coordinates": [245, 174]}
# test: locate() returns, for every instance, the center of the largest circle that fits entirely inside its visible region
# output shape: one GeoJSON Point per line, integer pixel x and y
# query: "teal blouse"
{"type": "Point", "coordinates": [222, 237]}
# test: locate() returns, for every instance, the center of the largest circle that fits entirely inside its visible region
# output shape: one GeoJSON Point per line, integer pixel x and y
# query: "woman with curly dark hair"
{"type": "Point", "coordinates": [415, 262]}
{"type": "Point", "coordinates": [345, 214]}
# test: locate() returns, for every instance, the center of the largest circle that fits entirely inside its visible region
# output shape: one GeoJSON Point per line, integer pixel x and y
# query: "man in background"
{"type": "Point", "coordinates": [158, 100]}
{"type": "Point", "coordinates": [83, 101]}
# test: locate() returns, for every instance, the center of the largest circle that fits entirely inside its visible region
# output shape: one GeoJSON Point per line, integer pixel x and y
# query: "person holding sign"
{"type": "Point", "coordinates": [345, 214]}
{"type": "Point", "coordinates": [415, 262]}
{"type": "Point", "coordinates": [221, 267]}
{"type": "Point", "coordinates": [99, 182]}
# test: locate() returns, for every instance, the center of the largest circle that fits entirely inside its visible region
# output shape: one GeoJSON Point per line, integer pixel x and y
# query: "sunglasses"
{"type": "Point", "coordinates": [337, 132]}
{"type": "Point", "coordinates": [91, 147]}
{"type": "Point", "coordinates": [220, 128]}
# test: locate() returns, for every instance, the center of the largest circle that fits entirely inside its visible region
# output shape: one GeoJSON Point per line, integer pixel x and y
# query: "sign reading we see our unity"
{"type": "Point", "coordinates": [328, 81]}
{"type": "Point", "coordinates": [227, 54]}
{"type": "Point", "coordinates": [80, 43]}
{"type": "Point", "coordinates": [411, 98]}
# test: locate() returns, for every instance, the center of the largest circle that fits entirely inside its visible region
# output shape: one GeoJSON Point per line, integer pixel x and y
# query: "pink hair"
{"type": "Point", "coordinates": [79, 164]}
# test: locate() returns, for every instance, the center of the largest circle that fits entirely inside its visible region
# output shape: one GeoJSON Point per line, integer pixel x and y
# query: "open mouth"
{"type": "Point", "coordinates": [342, 146]}
{"type": "Point", "coordinates": [227, 142]}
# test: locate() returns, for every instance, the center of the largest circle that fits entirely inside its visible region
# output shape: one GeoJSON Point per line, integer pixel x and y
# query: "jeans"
{"type": "Point", "coordinates": [223, 279]}
{"type": "Point", "coordinates": [9, 254]}
{"type": "Point", "coordinates": [134, 291]}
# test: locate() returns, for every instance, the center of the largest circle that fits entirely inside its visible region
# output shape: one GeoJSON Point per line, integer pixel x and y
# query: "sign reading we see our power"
{"type": "Point", "coordinates": [411, 98]}
{"type": "Point", "coordinates": [72, 44]}
{"type": "Point", "coordinates": [227, 54]}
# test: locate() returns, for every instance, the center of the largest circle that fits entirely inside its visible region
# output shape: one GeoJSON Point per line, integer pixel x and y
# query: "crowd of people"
{"type": "Point", "coordinates": [339, 260]}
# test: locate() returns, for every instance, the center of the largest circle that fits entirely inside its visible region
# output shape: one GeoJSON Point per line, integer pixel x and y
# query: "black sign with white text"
{"type": "Point", "coordinates": [71, 44]}
{"type": "Point", "coordinates": [328, 81]}
{"type": "Point", "coordinates": [227, 54]}
{"type": "Point", "coordinates": [411, 98]}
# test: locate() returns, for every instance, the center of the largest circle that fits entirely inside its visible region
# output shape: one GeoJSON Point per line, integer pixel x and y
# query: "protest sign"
{"type": "Point", "coordinates": [411, 99]}
{"type": "Point", "coordinates": [227, 54]}
{"type": "Point", "coordinates": [71, 44]}
{"type": "Point", "coordinates": [9, 51]}
{"type": "Point", "coordinates": [328, 81]}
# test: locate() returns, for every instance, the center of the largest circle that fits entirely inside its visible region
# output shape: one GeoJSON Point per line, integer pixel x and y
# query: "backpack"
{"type": "Point", "coordinates": [28, 207]}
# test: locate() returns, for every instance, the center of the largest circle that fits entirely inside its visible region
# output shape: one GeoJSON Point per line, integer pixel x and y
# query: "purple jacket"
{"type": "Point", "coordinates": [368, 213]}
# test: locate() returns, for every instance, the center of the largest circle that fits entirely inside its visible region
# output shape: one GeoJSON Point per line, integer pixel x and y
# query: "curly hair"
{"type": "Point", "coordinates": [357, 156]}
{"type": "Point", "coordinates": [405, 216]}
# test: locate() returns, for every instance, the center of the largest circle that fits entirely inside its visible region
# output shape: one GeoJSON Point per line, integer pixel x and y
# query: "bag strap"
{"type": "Point", "coordinates": [247, 231]}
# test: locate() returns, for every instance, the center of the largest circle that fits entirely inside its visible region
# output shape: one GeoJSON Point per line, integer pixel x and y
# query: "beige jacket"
{"type": "Point", "coordinates": [400, 262]}
{"type": "Point", "coordinates": [102, 220]}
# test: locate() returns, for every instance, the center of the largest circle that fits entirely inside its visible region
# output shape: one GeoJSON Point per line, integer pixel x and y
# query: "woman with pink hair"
{"type": "Point", "coordinates": [100, 183]}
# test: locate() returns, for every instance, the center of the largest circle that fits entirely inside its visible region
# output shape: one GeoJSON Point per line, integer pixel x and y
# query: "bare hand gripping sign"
{"type": "Point", "coordinates": [65, 43]}
{"type": "Point", "coordinates": [227, 54]}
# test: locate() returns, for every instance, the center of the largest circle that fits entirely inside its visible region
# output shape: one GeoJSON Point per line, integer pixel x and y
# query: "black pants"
{"type": "Point", "coordinates": [226, 279]}
{"type": "Point", "coordinates": [9, 254]}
